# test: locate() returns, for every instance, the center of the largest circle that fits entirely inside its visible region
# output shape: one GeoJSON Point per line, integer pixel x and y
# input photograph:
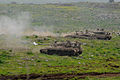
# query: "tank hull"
{"type": "Point", "coordinates": [62, 52]}
{"type": "Point", "coordinates": [103, 37]}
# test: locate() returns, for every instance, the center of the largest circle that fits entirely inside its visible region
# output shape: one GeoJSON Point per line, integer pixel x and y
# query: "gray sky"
{"type": "Point", "coordinates": [50, 1]}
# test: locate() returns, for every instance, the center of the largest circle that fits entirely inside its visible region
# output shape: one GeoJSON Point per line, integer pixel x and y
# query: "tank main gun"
{"type": "Point", "coordinates": [100, 34]}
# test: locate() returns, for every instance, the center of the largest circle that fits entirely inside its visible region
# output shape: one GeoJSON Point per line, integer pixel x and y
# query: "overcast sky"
{"type": "Point", "coordinates": [49, 1]}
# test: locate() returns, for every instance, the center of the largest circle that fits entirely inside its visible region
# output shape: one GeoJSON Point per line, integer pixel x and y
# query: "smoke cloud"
{"type": "Point", "coordinates": [14, 26]}
{"type": "Point", "coordinates": [13, 29]}
{"type": "Point", "coordinates": [44, 31]}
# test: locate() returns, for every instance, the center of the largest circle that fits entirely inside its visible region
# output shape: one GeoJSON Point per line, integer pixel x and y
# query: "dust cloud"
{"type": "Point", "coordinates": [13, 28]}
{"type": "Point", "coordinates": [42, 31]}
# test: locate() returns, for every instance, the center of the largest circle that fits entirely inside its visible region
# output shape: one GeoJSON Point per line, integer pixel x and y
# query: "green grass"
{"type": "Point", "coordinates": [96, 78]}
{"type": "Point", "coordinates": [98, 55]}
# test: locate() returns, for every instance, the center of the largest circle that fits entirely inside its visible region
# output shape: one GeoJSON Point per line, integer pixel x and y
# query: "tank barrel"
{"type": "Point", "coordinates": [43, 44]}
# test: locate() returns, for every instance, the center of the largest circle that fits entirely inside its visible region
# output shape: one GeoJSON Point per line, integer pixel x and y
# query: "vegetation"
{"type": "Point", "coordinates": [98, 55]}
{"type": "Point", "coordinates": [70, 17]}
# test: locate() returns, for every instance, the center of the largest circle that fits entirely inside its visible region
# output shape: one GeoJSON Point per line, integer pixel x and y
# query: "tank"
{"type": "Point", "coordinates": [102, 35]}
{"type": "Point", "coordinates": [64, 49]}
{"type": "Point", "coordinates": [99, 34]}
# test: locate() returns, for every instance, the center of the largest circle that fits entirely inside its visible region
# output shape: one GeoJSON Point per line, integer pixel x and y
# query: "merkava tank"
{"type": "Point", "coordinates": [99, 34]}
{"type": "Point", "coordinates": [64, 49]}
{"type": "Point", "coordinates": [102, 35]}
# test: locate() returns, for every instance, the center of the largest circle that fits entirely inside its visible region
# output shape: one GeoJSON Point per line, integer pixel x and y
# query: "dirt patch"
{"type": "Point", "coordinates": [56, 76]}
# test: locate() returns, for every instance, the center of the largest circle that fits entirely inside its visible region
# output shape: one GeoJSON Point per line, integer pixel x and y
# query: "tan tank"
{"type": "Point", "coordinates": [102, 35]}
{"type": "Point", "coordinates": [99, 34]}
{"type": "Point", "coordinates": [64, 49]}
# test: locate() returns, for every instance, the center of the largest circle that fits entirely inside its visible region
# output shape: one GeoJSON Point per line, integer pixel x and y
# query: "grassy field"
{"type": "Point", "coordinates": [99, 56]}
{"type": "Point", "coordinates": [68, 17]}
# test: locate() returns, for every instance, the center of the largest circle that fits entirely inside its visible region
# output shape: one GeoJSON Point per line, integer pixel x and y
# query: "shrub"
{"type": "Point", "coordinates": [29, 53]}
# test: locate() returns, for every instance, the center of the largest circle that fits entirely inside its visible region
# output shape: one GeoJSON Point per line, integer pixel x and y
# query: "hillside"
{"type": "Point", "coordinates": [72, 16]}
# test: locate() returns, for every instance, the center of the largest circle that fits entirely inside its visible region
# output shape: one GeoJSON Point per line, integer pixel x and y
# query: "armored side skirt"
{"type": "Point", "coordinates": [62, 52]}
